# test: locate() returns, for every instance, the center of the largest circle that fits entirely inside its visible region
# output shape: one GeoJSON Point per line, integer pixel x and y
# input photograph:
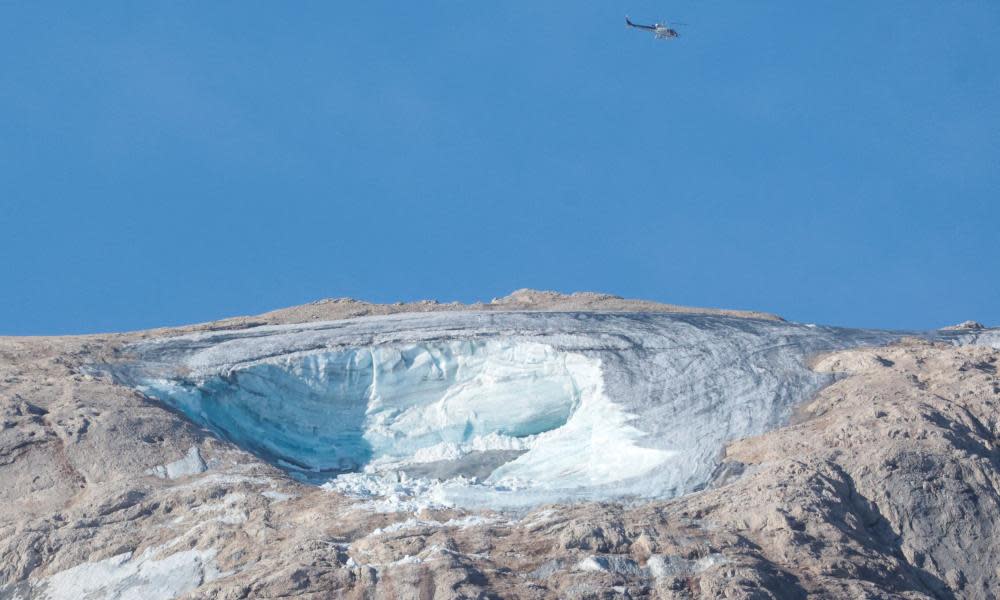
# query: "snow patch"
{"type": "Point", "coordinates": [124, 577]}
{"type": "Point", "coordinates": [658, 566]}
{"type": "Point", "coordinates": [610, 563]}
{"type": "Point", "coordinates": [191, 464]}
{"type": "Point", "coordinates": [662, 565]}
{"type": "Point", "coordinates": [277, 497]}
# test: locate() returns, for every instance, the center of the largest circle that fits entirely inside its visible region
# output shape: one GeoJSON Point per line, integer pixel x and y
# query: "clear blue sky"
{"type": "Point", "coordinates": [172, 162]}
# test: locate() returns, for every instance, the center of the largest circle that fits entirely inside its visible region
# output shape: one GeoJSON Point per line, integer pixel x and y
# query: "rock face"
{"type": "Point", "coordinates": [883, 484]}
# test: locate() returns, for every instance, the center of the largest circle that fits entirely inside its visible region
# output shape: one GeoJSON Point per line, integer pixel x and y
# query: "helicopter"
{"type": "Point", "coordinates": [660, 30]}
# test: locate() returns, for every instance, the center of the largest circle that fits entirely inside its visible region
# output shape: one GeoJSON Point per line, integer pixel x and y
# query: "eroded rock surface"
{"type": "Point", "coordinates": [886, 485]}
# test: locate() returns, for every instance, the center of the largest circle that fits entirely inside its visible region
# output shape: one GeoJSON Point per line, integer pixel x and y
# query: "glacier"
{"type": "Point", "coordinates": [496, 409]}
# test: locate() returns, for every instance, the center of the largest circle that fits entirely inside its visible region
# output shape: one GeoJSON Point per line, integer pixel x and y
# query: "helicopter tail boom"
{"type": "Point", "coordinates": [629, 23]}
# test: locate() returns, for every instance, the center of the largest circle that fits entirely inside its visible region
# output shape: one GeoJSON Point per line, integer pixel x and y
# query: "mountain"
{"type": "Point", "coordinates": [539, 445]}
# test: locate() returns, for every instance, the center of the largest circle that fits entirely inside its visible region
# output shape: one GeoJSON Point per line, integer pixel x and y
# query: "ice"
{"type": "Point", "coordinates": [497, 409]}
{"type": "Point", "coordinates": [343, 409]}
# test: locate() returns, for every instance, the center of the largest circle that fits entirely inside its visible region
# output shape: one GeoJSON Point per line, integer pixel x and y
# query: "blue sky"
{"type": "Point", "coordinates": [165, 163]}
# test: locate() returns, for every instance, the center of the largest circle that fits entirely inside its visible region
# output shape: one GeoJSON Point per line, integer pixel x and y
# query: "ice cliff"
{"type": "Point", "coordinates": [498, 409]}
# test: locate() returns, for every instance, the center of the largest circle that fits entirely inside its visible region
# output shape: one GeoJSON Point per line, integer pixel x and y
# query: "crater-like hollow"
{"type": "Point", "coordinates": [460, 407]}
